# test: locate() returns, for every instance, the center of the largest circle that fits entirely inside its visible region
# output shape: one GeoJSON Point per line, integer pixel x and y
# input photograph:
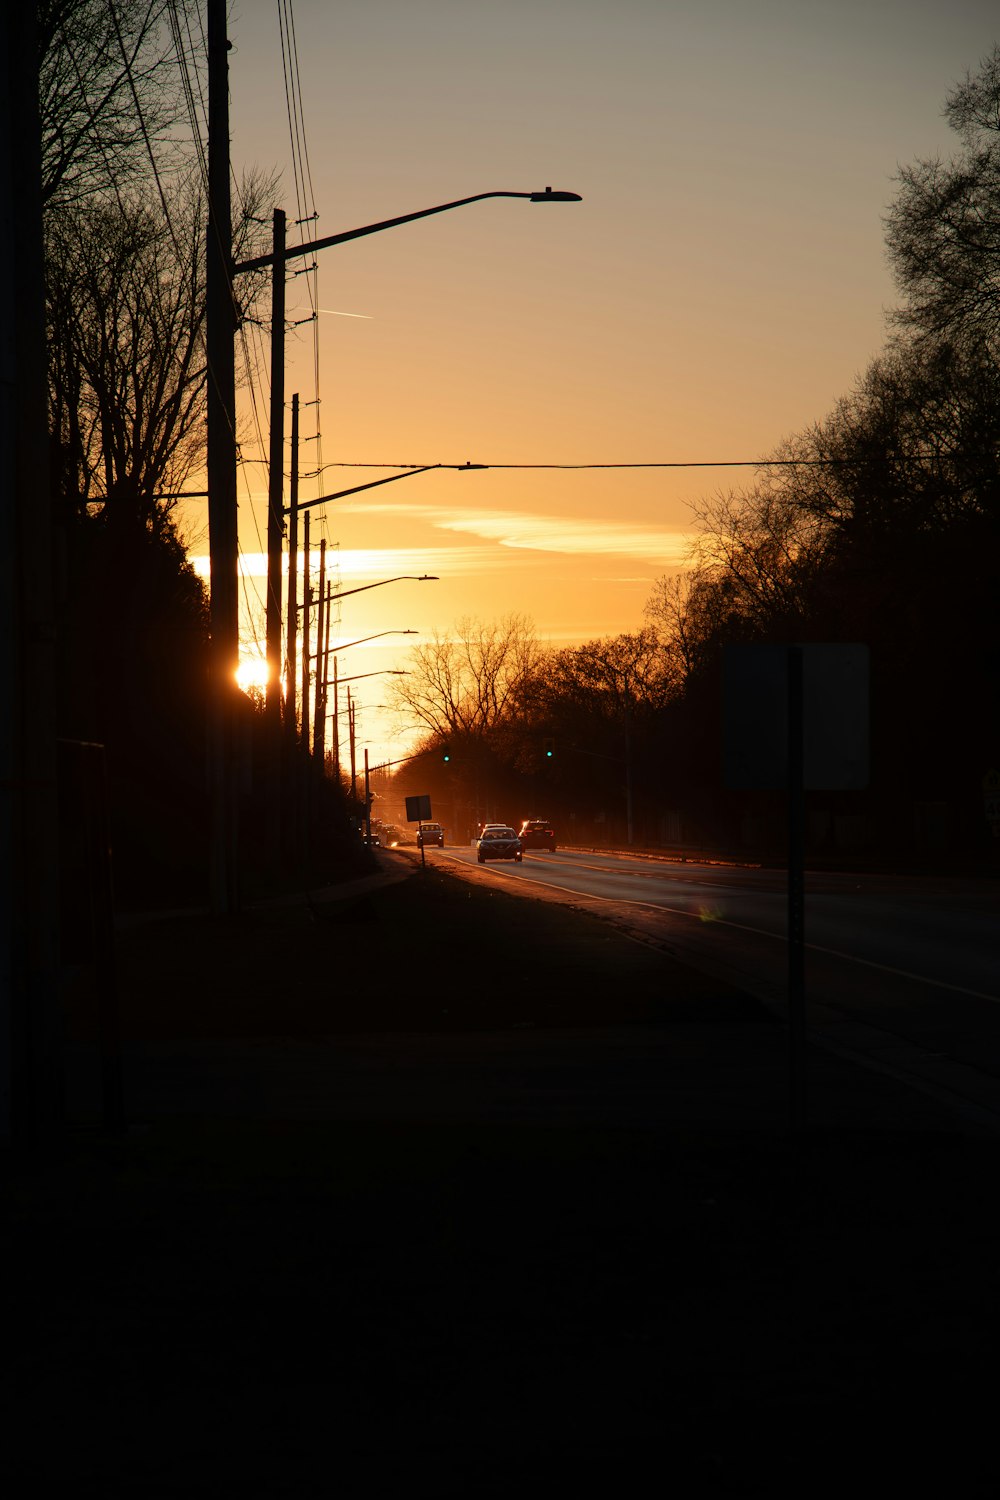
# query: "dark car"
{"type": "Point", "coordinates": [498, 843]}
{"type": "Point", "coordinates": [429, 834]}
{"type": "Point", "coordinates": [537, 834]}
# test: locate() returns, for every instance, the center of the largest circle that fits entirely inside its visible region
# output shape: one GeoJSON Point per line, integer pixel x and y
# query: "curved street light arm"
{"type": "Point", "coordinates": [548, 196]}
{"type": "Point", "coordinates": [372, 484]}
{"type": "Point", "coordinates": [335, 651]}
{"type": "Point", "coordinates": [387, 672]}
{"type": "Point", "coordinates": [412, 577]}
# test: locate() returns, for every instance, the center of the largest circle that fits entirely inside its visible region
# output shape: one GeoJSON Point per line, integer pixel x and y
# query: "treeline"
{"type": "Point", "coordinates": [124, 221]}
{"type": "Point", "coordinates": [880, 524]}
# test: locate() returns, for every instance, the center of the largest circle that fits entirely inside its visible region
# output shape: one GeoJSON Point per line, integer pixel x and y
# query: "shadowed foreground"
{"type": "Point", "coordinates": [373, 1291]}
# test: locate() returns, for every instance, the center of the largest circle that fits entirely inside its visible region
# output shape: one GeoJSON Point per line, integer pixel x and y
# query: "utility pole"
{"type": "Point", "coordinates": [336, 725]}
{"type": "Point", "coordinates": [275, 528]}
{"type": "Point", "coordinates": [220, 329]}
{"type": "Point", "coordinates": [275, 483]}
{"type": "Point", "coordinates": [306, 601]}
{"type": "Point", "coordinates": [350, 730]}
{"type": "Point", "coordinates": [293, 578]}
{"type": "Point", "coordinates": [30, 1021]}
{"type": "Point", "coordinates": [326, 668]}
{"type": "Point", "coordinates": [321, 612]}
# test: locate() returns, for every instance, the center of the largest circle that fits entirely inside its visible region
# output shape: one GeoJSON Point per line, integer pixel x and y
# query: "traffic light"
{"type": "Point", "coordinates": [548, 748]}
{"type": "Point", "coordinates": [446, 753]}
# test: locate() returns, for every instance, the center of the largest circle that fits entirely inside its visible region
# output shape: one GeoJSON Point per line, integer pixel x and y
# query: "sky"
{"type": "Point", "coordinates": [722, 283]}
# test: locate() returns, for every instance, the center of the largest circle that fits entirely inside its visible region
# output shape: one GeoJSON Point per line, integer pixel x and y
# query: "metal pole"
{"type": "Point", "coordinates": [275, 525]}
{"type": "Point", "coordinates": [221, 467]}
{"type": "Point", "coordinates": [293, 581]}
{"type": "Point", "coordinates": [628, 772]}
{"type": "Point", "coordinates": [324, 667]}
{"type": "Point", "coordinates": [322, 609]}
{"type": "Point", "coordinates": [796, 891]}
{"type": "Point", "coordinates": [275, 483]}
{"type": "Point", "coordinates": [350, 728]}
{"type": "Point", "coordinates": [336, 725]}
{"type": "Point", "coordinates": [306, 602]}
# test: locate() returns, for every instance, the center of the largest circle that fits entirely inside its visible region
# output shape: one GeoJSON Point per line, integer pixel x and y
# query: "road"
{"type": "Point", "coordinates": [901, 971]}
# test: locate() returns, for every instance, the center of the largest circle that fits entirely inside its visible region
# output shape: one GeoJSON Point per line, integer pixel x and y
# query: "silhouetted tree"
{"type": "Point", "coordinates": [467, 684]}
{"type": "Point", "coordinates": [126, 321]}
{"type": "Point", "coordinates": [943, 230]}
{"type": "Point", "coordinates": [108, 91]}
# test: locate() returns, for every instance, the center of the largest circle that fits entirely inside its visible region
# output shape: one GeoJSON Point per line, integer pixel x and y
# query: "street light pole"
{"type": "Point", "coordinates": [221, 269]}
{"type": "Point", "coordinates": [261, 261]}
{"type": "Point", "coordinates": [220, 328]}
{"type": "Point", "coordinates": [279, 257]}
{"type": "Point", "coordinates": [337, 682]}
{"type": "Point", "coordinates": [275, 480]}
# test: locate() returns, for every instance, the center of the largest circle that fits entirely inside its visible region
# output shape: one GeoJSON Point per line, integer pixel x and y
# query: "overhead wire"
{"type": "Point", "coordinates": [701, 463]}
{"type": "Point", "coordinates": [306, 211]}
{"type": "Point", "coordinates": [304, 194]}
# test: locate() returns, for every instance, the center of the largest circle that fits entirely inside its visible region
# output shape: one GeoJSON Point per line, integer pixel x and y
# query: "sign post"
{"type": "Point", "coordinates": [991, 801]}
{"type": "Point", "coordinates": [795, 718]}
{"type": "Point", "coordinates": [417, 810]}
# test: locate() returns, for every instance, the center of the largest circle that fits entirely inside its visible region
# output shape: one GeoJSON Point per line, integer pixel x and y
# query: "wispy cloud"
{"type": "Point", "coordinates": [546, 533]}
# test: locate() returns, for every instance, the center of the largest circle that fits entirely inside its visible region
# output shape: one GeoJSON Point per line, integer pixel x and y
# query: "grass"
{"type": "Point", "coordinates": [276, 1307]}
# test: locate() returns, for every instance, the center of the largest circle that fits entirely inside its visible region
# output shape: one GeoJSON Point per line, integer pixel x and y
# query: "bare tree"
{"type": "Point", "coordinates": [680, 611]}
{"type": "Point", "coordinates": [943, 231]}
{"type": "Point", "coordinates": [108, 91]}
{"type": "Point", "coordinates": [759, 550]}
{"type": "Point", "coordinates": [126, 313]}
{"type": "Point", "coordinates": [467, 684]}
{"type": "Point", "coordinates": [616, 675]}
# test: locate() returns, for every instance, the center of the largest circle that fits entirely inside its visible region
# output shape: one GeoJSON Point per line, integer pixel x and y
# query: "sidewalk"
{"type": "Point", "coordinates": [428, 1188]}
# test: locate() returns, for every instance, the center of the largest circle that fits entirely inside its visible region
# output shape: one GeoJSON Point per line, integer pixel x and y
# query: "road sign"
{"type": "Point", "coordinates": [834, 711]}
{"type": "Point", "coordinates": [418, 809]}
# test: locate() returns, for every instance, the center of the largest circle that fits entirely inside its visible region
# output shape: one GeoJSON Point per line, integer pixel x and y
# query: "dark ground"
{"type": "Point", "coordinates": [244, 1303]}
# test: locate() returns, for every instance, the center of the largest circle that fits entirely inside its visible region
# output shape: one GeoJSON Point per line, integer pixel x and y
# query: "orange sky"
{"type": "Point", "coordinates": [721, 284]}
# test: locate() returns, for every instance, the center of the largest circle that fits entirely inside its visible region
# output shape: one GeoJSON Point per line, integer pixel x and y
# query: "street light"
{"type": "Point", "coordinates": [549, 195]}
{"type": "Point", "coordinates": [347, 644]}
{"type": "Point", "coordinates": [385, 672]}
{"type": "Point", "coordinates": [221, 455]}
{"type": "Point", "coordinates": [400, 578]}
{"type": "Point", "coordinates": [280, 255]}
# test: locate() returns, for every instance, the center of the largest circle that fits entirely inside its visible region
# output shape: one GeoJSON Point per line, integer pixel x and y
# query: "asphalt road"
{"type": "Point", "coordinates": [904, 970]}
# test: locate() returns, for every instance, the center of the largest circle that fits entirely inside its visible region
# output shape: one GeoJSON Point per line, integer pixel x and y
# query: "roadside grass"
{"type": "Point", "coordinates": [429, 952]}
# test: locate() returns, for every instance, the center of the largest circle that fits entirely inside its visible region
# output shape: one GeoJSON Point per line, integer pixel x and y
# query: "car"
{"type": "Point", "coordinates": [537, 833]}
{"type": "Point", "coordinates": [496, 842]}
{"type": "Point", "coordinates": [391, 836]}
{"type": "Point", "coordinates": [428, 834]}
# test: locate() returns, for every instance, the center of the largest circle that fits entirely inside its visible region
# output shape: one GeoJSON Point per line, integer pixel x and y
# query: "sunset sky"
{"type": "Point", "coordinates": [721, 284]}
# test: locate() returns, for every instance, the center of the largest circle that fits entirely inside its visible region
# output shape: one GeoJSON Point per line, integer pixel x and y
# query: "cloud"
{"type": "Point", "coordinates": [546, 533]}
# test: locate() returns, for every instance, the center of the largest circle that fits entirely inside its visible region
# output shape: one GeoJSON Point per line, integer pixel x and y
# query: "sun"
{"type": "Point", "coordinates": [252, 673]}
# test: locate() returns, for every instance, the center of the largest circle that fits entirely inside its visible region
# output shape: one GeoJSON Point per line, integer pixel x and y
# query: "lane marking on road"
{"type": "Point", "coordinates": [780, 937]}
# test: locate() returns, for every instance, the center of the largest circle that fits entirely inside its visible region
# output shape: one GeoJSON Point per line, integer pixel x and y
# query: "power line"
{"type": "Point", "coordinates": [704, 463]}
{"type": "Point", "coordinates": [701, 463]}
